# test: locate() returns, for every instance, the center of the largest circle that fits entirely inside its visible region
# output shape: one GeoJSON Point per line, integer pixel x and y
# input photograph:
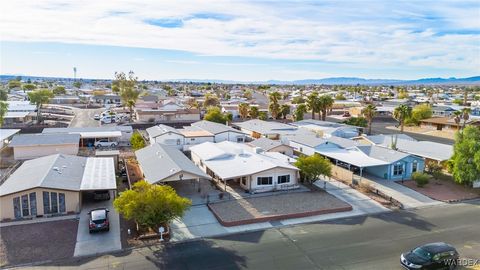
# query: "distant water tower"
{"type": "Point", "coordinates": [74, 73]}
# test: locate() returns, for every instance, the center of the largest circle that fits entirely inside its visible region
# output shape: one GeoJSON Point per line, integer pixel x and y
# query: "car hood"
{"type": "Point", "coordinates": [415, 259]}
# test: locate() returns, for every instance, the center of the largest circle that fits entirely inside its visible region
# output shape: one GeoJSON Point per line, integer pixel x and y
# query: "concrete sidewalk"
{"type": "Point", "coordinates": [408, 197]}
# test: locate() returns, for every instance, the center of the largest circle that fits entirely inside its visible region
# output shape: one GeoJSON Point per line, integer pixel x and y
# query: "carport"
{"type": "Point", "coordinates": [99, 175]}
{"type": "Point", "coordinates": [88, 138]}
{"type": "Point", "coordinates": [351, 159]}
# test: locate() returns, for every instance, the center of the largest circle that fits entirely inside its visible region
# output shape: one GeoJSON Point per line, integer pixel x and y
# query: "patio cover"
{"type": "Point", "coordinates": [352, 156]}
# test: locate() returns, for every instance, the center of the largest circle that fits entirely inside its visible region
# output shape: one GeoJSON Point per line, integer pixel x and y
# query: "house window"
{"type": "Point", "coordinates": [178, 141]}
{"type": "Point", "coordinates": [61, 202]}
{"type": "Point", "coordinates": [414, 166]}
{"type": "Point", "coordinates": [33, 203]}
{"type": "Point", "coordinates": [16, 207]}
{"type": "Point", "coordinates": [398, 169]}
{"type": "Point", "coordinates": [282, 179]}
{"type": "Point", "coordinates": [54, 201]}
{"type": "Point", "coordinates": [25, 210]}
{"type": "Point", "coordinates": [46, 202]}
{"type": "Point", "coordinates": [261, 181]}
{"type": "Point", "coordinates": [301, 149]}
{"type": "Point", "coordinates": [239, 139]}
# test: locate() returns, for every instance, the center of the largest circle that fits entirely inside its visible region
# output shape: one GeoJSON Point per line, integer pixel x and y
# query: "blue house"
{"type": "Point", "coordinates": [399, 165]}
{"type": "Point", "coordinates": [373, 160]}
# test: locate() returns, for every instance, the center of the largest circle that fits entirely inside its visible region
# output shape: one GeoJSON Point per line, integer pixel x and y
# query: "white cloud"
{"type": "Point", "coordinates": [404, 33]}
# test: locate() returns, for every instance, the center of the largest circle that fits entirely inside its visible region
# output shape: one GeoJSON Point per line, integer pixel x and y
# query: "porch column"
{"type": "Point", "coordinates": [225, 182]}
{"type": "Point", "coordinates": [361, 174]}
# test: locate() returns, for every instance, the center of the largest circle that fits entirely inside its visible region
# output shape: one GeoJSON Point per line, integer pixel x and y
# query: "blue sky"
{"type": "Point", "coordinates": [242, 40]}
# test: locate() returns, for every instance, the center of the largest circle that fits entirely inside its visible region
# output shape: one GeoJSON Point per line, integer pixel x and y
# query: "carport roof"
{"type": "Point", "coordinates": [99, 174]}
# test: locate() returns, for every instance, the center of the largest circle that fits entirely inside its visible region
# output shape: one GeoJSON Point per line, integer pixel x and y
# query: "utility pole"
{"type": "Point", "coordinates": [74, 73]}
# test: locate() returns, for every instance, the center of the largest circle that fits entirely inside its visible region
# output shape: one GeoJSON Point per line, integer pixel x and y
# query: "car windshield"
{"type": "Point", "coordinates": [99, 214]}
{"type": "Point", "coordinates": [422, 253]}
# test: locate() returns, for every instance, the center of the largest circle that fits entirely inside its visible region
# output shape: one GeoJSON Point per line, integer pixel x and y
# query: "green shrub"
{"type": "Point", "coordinates": [420, 178]}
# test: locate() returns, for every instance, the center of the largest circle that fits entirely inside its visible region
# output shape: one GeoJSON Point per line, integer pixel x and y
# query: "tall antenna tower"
{"type": "Point", "coordinates": [74, 73]}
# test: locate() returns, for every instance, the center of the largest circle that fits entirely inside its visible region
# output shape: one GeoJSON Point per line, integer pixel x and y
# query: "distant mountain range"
{"type": "Point", "coordinates": [327, 81]}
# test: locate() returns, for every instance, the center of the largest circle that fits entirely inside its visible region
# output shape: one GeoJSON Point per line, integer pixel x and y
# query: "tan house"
{"type": "Point", "coordinates": [28, 146]}
{"type": "Point", "coordinates": [150, 112]}
{"type": "Point", "coordinates": [53, 185]}
{"type": "Point", "coordinates": [268, 145]}
{"type": "Point", "coordinates": [445, 123]}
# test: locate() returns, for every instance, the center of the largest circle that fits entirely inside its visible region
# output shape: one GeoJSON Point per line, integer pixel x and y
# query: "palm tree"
{"type": "Point", "coordinates": [243, 109]}
{"type": "Point", "coordinates": [369, 113]}
{"type": "Point", "coordinates": [312, 103]}
{"type": "Point", "coordinates": [401, 113]}
{"type": "Point", "coordinates": [325, 102]}
{"type": "Point", "coordinates": [274, 107]}
{"type": "Point", "coordinates": [253, 112]}
{"type": "Point", "coordinates": [465, 116]}
{"type": "Point", "coordinates": [458, 117]}
{"type": "Point", "coordinates": [284, 110]}
{"type": "Point", "coordinates": [300, 111]}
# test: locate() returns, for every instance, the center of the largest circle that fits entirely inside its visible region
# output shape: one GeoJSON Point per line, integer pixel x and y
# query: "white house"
{"type": "Point", "coordinates": [253, 170]}
{"type": "Point", "coordinates": [220, 132]}
{"type": "Point", "coordinates": [166, 135]}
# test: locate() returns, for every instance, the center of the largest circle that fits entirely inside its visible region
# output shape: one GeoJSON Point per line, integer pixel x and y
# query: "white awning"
{"type": "Point", "coordinates": [352, 156]}
{"type": "Point", "coordinates": [99, 134]}
{"type": "Point", "coordinates": [99, 174]}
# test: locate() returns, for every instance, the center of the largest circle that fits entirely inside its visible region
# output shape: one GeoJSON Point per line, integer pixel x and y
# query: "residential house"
{"type": "Point", "coordinates": [150, 112]}
{"type": "Point", "coordinates": [166, 135]}
{"type": "Point", "coordinates": [429, 151]}
{"type": "Point", "coordinates": [53, 185]}
{"type": "Point", "coordinates": [442, 111]}
{"type": "Point", "coordinates": [329, 128]}
{"type": "Point", "coordinates": [245, 167]}
{"type": "Point", "coordinates": [29, 146]}
{"type": "Point", "coordinates": [161, 163]}
{"type": "Point", "coordinates": [371, 159]}
{"type": "Point", "coordinates": [268, 145]}
{"type": "Point", "coordinates": [446, 123]}
{"type": "Point", "coordinates": [107, 99]}
{"type": "Point", "coordinates": [256, 128]}
{"type": "Point", "coordinates": [220, 132]}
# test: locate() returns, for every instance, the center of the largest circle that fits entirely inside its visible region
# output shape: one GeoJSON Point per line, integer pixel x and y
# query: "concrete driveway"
{"type": "Point", "coordinates": [93, 243]}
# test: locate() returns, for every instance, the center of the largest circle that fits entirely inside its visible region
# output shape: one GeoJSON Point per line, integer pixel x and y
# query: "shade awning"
{"type": "Point", "coordinates": [99, 174]}
{"type": "Point", "coordinates": [100, 134]}
{"type": "Point", "coordinates": [353, 157]}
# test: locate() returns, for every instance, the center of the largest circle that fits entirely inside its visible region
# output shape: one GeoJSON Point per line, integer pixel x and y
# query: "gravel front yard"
{"type": "Point", "coordinates": [444, 190]}
{"type": "Point", "coordinates": [277, 207]}
{"type": "Point", "coordinates": [51, 240]}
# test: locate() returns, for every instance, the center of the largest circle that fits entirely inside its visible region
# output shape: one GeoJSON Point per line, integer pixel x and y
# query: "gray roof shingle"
{"type": "Point", "coordinates": [160, 161]}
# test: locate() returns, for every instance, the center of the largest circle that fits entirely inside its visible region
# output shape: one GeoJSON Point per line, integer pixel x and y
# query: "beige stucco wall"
{"type": "Point", "coordinates": [275, 172]}
{"type": "Point", "coordinates": [30, 152]}
{"type": "Point", "coordinates": [72, 201]}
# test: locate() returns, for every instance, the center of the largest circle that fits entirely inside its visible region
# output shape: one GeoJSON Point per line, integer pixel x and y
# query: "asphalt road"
{"type": "Point", "coordinates": [84, 117]}
{"type": "Point", "coordinates": [368, 242]}
{"type": "Point", "coordinates": [379, 127]}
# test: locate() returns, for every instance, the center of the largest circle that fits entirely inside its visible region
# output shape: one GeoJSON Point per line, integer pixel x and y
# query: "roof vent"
{"type": "Point", "coordinates": [56, 169]}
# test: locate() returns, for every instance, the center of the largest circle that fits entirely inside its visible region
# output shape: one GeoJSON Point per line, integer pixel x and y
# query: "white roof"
{"type": "Point", "coordinates": [99, 134]}
{"type": "Point", "coordinates": [231, 160]}
{"type": "Point", "coordinates": [16, 114]}
{"type": "Point", "coordinates": [7, 133]}
{"type": "Point", "coordinates": [352, 156]}
{"type": "Point", "coordinates": [99, 173]}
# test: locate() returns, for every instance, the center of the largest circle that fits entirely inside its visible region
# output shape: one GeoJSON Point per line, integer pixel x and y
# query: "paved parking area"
{"type": "Point", "coordinates": [93, 243]}
{"type": "Point", "coordinates": [34, 242]}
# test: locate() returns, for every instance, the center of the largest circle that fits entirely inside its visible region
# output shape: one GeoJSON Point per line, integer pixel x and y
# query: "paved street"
{"type": "Point", "coordinates": [363, 242]}
{"type": "Point", "coordinates": [379, 127]}
{"type": "Point", "coordinates": [84, 117]}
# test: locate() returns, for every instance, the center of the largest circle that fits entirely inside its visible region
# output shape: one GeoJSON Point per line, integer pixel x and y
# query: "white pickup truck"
{"type": "Point", "coordinates": [105, 143]}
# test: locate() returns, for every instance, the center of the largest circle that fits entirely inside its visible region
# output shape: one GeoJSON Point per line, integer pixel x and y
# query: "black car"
{"type": "Point", "coordinates": [430, 256]}
{"type": "Point", "coordinates": [101, 195]}
{"type": "Point", "coordinates": [98, 220]}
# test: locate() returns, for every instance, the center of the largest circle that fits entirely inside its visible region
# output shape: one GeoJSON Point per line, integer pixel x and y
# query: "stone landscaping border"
{"type": "Point", "coordinates": [278, 217]}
